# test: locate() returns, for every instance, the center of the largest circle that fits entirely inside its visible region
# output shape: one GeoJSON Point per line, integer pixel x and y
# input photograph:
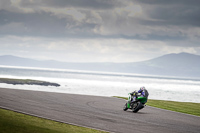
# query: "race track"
{"type": "Point", "coordinates": [103, 113]}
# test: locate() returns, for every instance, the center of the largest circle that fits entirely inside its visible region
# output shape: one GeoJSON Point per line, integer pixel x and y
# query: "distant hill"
{"type": "Point", "coordinates": [181, 65]}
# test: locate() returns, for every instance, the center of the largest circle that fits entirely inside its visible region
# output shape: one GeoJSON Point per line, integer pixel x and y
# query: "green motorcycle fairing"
{"type": "Point", "coordinates": [129, 99]}
{"type": "Point", "coordinates": [142, 99]}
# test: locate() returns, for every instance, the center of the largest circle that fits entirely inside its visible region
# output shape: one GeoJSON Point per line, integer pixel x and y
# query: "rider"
{"type": "Point", "coordinates": [143, 91]}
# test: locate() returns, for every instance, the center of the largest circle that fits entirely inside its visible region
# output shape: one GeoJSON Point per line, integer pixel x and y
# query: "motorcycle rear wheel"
{"type": "Point", "coordinates": [138, 107]}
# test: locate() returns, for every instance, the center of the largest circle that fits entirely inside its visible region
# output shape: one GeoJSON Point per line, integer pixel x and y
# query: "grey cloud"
{"type": "Point", "coordinates": [42, 24]}
{"type": "Point", "coordinates": [172, 12]}
{"type": "Point", "coordinates": [174, 15]}
{"type": "Point", "coordinates": [157, 20]}
{"type": "Point", "coordinates": [4, 4]}
{"type": "Point", "coordinates": [169, 2]}
{"type": "Point", "coordinates": [34, 24]}
{"type": "Point", "coordinates": [91, 4]}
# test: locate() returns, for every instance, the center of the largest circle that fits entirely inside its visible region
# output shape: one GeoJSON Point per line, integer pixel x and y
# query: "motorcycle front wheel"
{"type": "Point", "coordinates": [125, 107]}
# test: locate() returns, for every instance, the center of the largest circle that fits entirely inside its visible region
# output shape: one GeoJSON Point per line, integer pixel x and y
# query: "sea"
{"type": "Point", "coordinates": [105, 83]}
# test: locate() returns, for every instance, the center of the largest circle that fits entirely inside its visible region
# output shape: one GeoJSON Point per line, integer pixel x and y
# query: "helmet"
{"type": "Point", "coordinates": [142, 88]}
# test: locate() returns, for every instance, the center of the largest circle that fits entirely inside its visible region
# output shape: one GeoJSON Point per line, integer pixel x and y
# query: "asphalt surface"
{"type": "Point", "coordinates": [103, 113]}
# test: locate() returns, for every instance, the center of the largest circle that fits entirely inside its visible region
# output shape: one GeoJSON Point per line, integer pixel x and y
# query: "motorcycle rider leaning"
{"type": "Point", "coordinates": [142, 91]}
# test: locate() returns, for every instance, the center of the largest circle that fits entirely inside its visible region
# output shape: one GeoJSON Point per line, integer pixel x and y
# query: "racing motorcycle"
{"type": "Point", "coordinates": [137, 104]}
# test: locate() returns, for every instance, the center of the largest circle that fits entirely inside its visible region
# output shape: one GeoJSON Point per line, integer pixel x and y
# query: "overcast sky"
{"type": "Point", "coordinates": [99, 30]}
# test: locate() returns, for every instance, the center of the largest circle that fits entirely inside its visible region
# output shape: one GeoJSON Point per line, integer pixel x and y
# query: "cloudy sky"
{"type": "Point", "coordinates": [99, 30]}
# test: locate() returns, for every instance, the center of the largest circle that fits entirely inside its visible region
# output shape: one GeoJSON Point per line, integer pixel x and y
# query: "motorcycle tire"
{"type": "Point", "coordinates": [125, 107]}
{"type": "Point", "coordinates": [138, 107]}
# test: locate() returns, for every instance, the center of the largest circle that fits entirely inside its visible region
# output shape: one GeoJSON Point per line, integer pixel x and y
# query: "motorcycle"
{"type": "Point", "coordinates": [137, 104]}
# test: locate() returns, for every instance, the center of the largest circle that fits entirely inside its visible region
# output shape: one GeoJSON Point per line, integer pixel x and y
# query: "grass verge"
{"type": "Point", "coordinates": [13, 122]}
{"type": "Point", "coordinates": [183, 107]}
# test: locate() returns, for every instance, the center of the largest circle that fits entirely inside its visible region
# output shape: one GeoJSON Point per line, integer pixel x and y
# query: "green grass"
{"type": "Point", "coordinates": [12, 122]}
{"type": "Point", "coordinates": [183, 107]}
